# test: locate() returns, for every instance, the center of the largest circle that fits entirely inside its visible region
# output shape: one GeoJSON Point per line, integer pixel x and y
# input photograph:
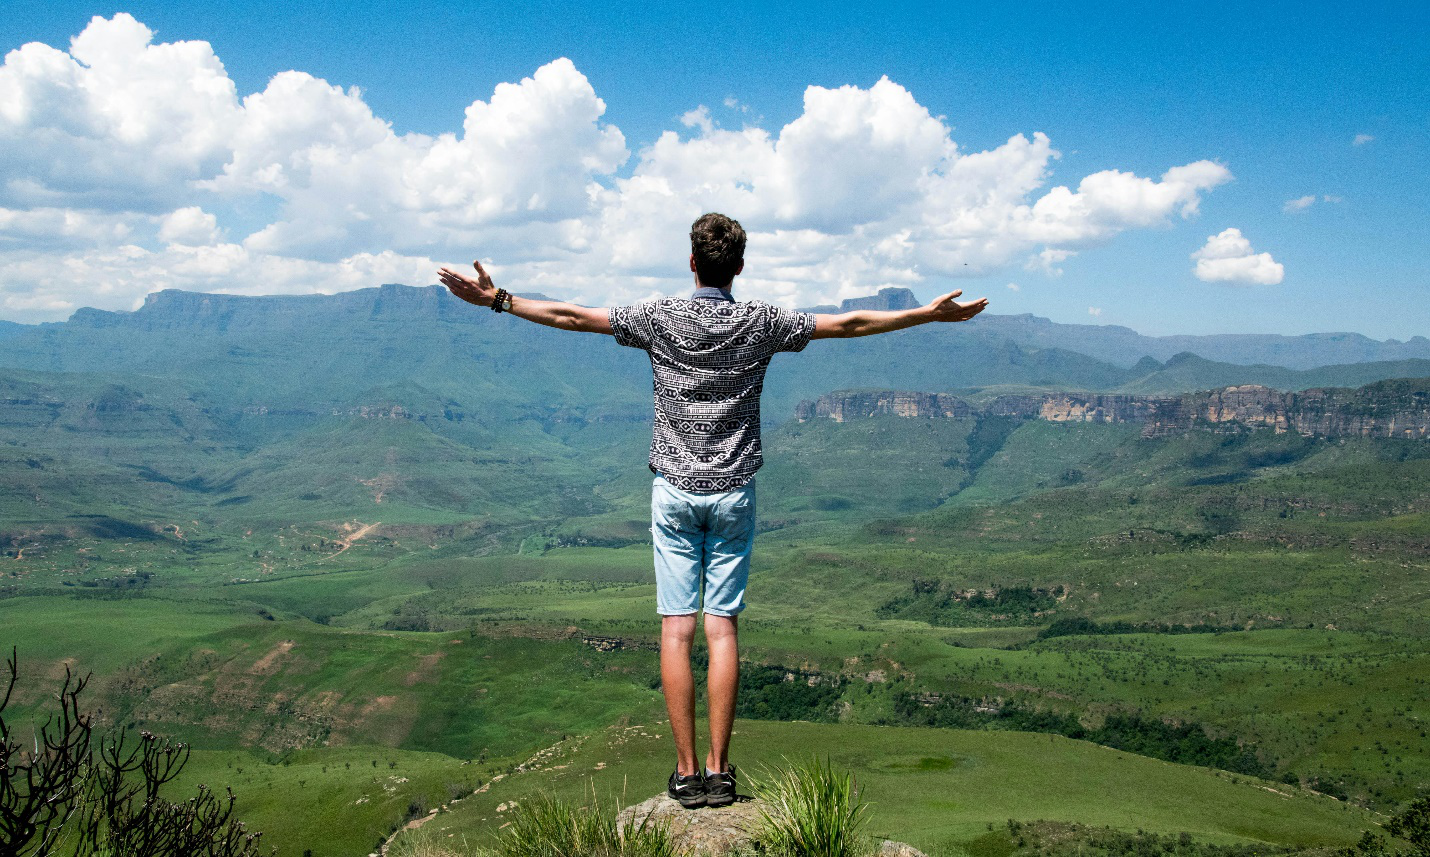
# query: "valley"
{"type": "Point", "coordinates": [365, 576]}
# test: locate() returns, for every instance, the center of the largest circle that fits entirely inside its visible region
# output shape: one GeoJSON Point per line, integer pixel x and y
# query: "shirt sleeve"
{"type": "Point", "coordinates": [631, 325]}
{"type": "Point", "coordinates": [791, 330]}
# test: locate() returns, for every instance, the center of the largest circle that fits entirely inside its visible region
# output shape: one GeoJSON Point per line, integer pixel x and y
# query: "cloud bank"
{"type": "Point", "coordinates": [128, 166]}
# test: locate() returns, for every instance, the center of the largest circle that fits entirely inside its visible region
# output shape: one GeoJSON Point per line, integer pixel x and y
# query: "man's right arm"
{"type": "Point", "coordinates": [869, 322]}
{"type": "Point", "coordinates": [559, 314]}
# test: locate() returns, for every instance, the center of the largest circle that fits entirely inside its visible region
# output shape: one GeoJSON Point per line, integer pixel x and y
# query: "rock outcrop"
{"type": "Point", "coordinates": [714, 832]}
{"type": "Point", "coordinates": [1392, 409]}
{"type": "Point", "coordinates": [706, 832]}
{"type": "Point", "coordinates": [886, 299]}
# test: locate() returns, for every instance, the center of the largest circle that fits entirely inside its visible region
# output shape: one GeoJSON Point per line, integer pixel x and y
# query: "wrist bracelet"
{"type": "Point", "coordinates": [501, 297]}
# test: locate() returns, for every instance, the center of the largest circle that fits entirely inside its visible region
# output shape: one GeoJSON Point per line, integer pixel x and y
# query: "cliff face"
{"type": "Point", "coordinates": [1077, 407]}
{"type": "Point", "coordinates": [844, 406]}
{"type": "Point", "coordinates": [1385, 409]}
{"type": "Point", "coordinates": [1397, 408]}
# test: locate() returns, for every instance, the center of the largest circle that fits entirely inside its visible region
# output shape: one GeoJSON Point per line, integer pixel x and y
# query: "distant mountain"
{"type": "Point", "coordinates": [1187, 371]}
{"type": "Point", "coordinates": [1123, 346]}
{"type": "Point", "coordinates": [886, 299]}
{"type": "Point", "coordinates": [10, 328]}
{"type": "Point", "coordinates": [305, 353]}
{"type": "Point", "coordinates": [316, 352]}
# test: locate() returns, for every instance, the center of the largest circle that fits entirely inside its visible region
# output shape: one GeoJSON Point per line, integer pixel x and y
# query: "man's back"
{"type": "Point", "coordinates": [708, 356]}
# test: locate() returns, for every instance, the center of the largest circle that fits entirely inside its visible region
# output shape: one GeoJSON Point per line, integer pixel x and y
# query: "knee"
{"type": "Point", "coordinates": [677, 630]}
{"type": "Point", "coordinates": [720, 629]}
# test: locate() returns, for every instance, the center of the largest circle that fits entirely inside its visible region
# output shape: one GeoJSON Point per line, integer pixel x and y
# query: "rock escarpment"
{"type": "Point", "coordinates": [1391, 409]}
{"type": "Point", "coordinates": [852, 405]}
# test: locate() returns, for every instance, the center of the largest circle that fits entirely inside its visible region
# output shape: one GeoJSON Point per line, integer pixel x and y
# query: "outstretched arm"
{"type": "Point", "coordinates": [869, 322]}
{"type": "Point", "coordinates": [481, 291]}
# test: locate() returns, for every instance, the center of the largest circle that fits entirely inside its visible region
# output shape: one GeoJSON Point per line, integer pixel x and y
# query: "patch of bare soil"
{"type": "Point", "coordinates": [426, 669]}
{"type": "Point", "coordinates": [268, 664]}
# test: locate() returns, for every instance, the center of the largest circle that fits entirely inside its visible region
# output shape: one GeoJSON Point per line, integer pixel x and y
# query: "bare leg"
{"type": "Point", "coordinates": [724, 682]}
{"type": "Point", "coordinates": [676, 635]}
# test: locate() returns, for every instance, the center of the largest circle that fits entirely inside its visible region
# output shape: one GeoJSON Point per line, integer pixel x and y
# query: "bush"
{"type": "Point", "coordinates": [80, 796]}
{"type": "Point", "coordinates": [1413, 825]}
{"type": "Point", "coordinates": [812, 811]}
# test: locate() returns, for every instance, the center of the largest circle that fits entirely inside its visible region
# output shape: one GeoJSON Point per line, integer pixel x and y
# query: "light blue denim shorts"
{"type": "Point", "coordinates": [702, 543]}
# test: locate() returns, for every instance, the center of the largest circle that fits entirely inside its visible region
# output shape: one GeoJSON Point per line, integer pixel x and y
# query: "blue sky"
{"type": "Point", "coordinates": [1299, 130]}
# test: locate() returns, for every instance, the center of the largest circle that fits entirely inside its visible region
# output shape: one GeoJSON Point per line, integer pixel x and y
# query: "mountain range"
{"type": "Point", "coordinates": [422, 349]}
{"type": "Point", "coordinates": [1123, 346]}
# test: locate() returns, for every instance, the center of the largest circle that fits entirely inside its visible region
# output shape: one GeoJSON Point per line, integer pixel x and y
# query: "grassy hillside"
{"type": "Point", "coordinates": [943, 790]}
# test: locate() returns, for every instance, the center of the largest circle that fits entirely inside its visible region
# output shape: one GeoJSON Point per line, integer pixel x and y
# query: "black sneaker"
{"type": "Point", "coordinates": [690, 791]}
{"type": "Point", "coordinates": [720, 788]}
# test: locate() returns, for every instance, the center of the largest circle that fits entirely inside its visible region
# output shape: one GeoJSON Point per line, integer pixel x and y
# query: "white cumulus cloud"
{"type": "Point", "coordinates": [1227, 257]}
{"type": "Point", "coordinates": [133, 165]}
{"type": "Point", "coordinates": [191, 226]}
{"type": "Point", "coordinates": [1048, 261]}
{"type": "Point", "coordinates": [115, 123]}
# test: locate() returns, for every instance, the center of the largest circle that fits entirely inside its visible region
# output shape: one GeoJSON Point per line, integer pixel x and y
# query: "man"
{"type": "Point", "coordinates": [709, 354]}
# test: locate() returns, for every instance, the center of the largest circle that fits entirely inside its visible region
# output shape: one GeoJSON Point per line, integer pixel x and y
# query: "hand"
{"type": "Point", "coordinates": [948, 309]}
{"type": "Point", "coordinates": [480, 291]}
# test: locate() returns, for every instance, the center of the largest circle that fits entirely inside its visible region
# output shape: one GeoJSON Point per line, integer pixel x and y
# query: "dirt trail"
{"type": "Point", "coordinates": [386, 481]}
{"type": "Point", "coordinates": [351, 533]}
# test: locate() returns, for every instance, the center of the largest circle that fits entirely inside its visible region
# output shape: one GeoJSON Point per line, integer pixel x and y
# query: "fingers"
{"type": "Point", "coordinates": [453, 280]}
{"type": "Point", "coordinates": [952, 310]}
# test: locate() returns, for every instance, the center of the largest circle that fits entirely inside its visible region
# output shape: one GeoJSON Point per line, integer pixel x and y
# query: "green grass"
{"type": "Point", "coordinates": [811, 810]}
{"type": "Point", "coordinates": [335, 800]}
{"type": "Point", "coordinates": [940, 789]}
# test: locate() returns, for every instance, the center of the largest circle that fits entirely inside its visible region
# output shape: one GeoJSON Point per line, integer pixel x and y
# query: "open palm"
{"type": "Point", "coordinates": [948, 309]}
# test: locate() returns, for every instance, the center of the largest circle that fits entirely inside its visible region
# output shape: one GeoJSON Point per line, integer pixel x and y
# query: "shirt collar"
{"type": "Point", "coordinates": [710, 293]}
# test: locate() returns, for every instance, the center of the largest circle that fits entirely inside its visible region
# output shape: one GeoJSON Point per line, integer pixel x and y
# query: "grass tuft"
{"type": "Point", "coordinates": [548, 827]}
{"type": "Point", "coordinates": [812, 811]}
{"type": "Point", "coordinates": [424, 842]}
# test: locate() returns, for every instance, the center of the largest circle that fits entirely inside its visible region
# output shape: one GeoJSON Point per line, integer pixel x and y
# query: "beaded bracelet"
{"type": "Point", "coordinates": [501, 296]}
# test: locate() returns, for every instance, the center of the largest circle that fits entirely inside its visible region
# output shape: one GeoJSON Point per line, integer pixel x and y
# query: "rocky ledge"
{"type": "Point", "coordinates": [712, 832]}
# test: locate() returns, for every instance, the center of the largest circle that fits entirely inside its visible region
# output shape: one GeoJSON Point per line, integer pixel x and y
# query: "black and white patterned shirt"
{"type": "Point", "coordinates": [709, 356]}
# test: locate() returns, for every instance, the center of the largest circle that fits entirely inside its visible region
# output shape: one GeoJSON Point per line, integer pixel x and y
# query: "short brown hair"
{"type": "Point", "coordinates": [718, 244]}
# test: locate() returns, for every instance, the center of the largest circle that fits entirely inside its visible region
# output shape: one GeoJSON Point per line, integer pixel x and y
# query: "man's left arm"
{"type": "Point", "coordinates": [481, 291]}
{"type": "Point", "coordinates": [870, 322]}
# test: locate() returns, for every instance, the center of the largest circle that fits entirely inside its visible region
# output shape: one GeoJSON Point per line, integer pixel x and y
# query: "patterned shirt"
{"type": "Point", "coordinates": [709, 355]}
